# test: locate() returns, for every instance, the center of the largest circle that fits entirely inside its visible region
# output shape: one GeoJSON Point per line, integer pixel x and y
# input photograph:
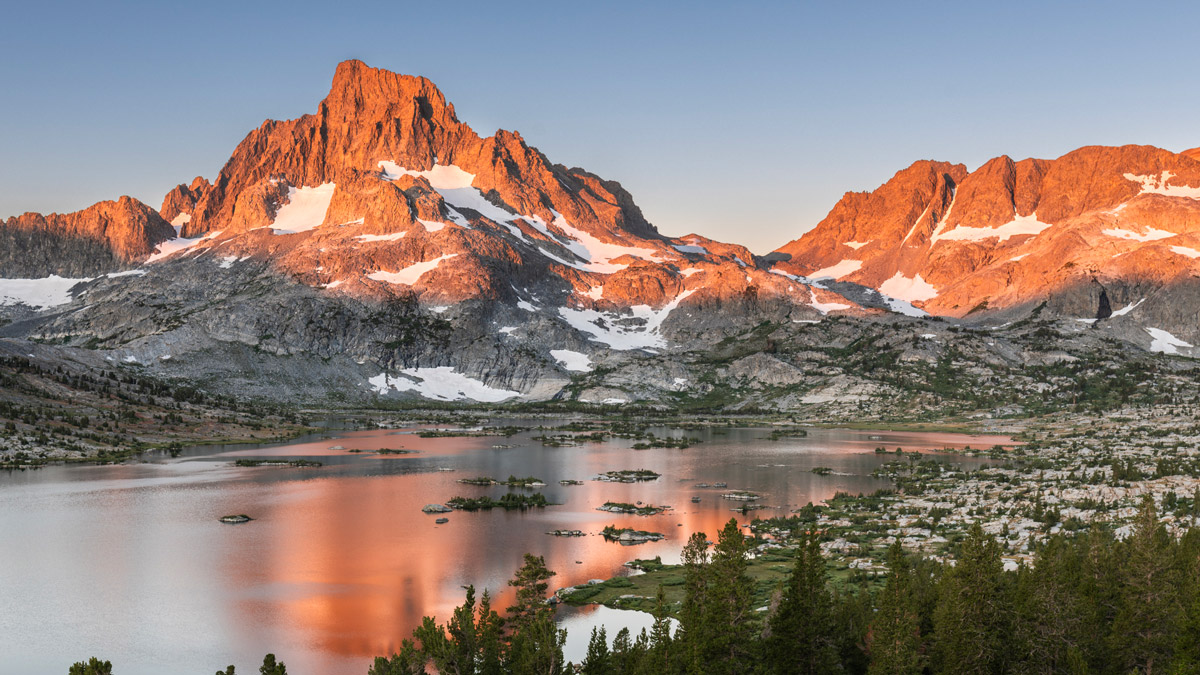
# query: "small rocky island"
{"type": "Point", "coordinates": [628, 476]}
{"type": "Point", "coordinates": [633, 509]}
{"type": "Point", "coordinates": [234, 520]}
{"type": "Point", "coordinates": [628, 536]}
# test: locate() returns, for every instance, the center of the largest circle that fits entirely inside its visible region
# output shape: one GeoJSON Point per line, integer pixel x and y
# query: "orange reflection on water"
{"type": "Point", "coordinates": [353, 565]}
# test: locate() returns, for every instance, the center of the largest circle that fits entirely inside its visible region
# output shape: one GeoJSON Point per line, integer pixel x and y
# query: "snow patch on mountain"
{"type": "Point", "coordinates": [824, 307]}
{"type": "Point", "coordinates": [1165, 343]}
{"type": "Point", "coordinates": [1019, 225]}
{"type": "Point", "coordinates": [382, 237]}
{"type": "Point", "coordinates": [915, 289]}
{"type": "Point", "coordinates": [411, 274]}
{"type": "Point", "coordinates": [441, 383]}
{"type": "Point", "coordinates": [176, 244]}
{"type": "Point", "coordinates": [856, 244]}
{"type": "Point", "coordinates": [1157, 185]}
{"type": "Point", "coordinates": [1151, 234]}
{"type": "Point", "coordinates": [638, 330]}
{"type": "Point", "coordinates": [599, 254]}
{"type": "Point", "coordinates": [454, 185]}
{"type": "Point", "coordinates": [838, 270]}
{"type": "Point", "coordinates": [305, 209]}
{"type": "Point", "coordinates": [690, 248]}
{"type": "Point", "coordinates": [38, 293]}
{"type": "Point", "coordinates": [1128, 308]}
{"type": "Point", "coordinates": [570, 360]}
{"type": "Point", "coordinates": [1184, 250]}
{"type": "Point", "coordinates": [902, 307]}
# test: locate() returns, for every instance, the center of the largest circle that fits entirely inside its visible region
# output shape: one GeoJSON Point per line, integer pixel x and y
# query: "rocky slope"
{"type": "Point", "coordinates": [380, 248]}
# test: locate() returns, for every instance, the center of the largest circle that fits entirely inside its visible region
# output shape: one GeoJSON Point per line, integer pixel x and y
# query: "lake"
{"type": "Point", "coordinates": [129, 562]}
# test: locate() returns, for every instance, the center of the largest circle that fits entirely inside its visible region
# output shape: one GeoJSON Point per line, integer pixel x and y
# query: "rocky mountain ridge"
{"type": "Point", "coordinates": [1122, 224]}
{"type": "Point", "coordinates": [379, 247]}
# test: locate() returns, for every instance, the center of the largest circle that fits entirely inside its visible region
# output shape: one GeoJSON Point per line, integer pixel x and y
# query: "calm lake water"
{"type": "Point", "coordinates": [129, 562]}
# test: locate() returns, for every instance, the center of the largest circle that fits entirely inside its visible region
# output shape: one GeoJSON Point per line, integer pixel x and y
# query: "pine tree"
{"type": "Point", "coordinates": [972, 621]}
{"type": "Point", "coordinates": [622, 657]}
{"type": "Point", "coordinates": [1148, 613]}
{"type": "Point", "coordinates": [535, 646]}
{"type": "Point", "coordinates": [1187, 643]}
{"type": "Point", "coordinates": [530, 581]}
{"type": "Point", "coordinates": [659, 651]}
{"type": "Point", "coordinates": [452, 648]}
{"type": "Point", "coordinates": [1050, 619]}
{"type": "Point", "coordinates": [801, 639]}
{"type": "Point", "coordinates": [726, 614]}
{"type": "Point", "coordinates": [693, 634]}
{"type": "Point", "coordinates": [895, 642]}
{"type": "Point", "coordinates": [598, 660]}
{"type": "Point", "coordinates": [409, 661]}
{"type": "Point", "coordinates": [490, 628]}
{"type": "Point", "coordinates": [271, 667]}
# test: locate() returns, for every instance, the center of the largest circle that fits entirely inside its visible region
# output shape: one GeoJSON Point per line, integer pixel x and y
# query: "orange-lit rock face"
{"type": "Point", "coordinates": [384, 192]}
{"type": "Point", "coordinates": [1011, 233]}
{"type": "Point", "coordinates": [181, 201]}
{"type": "Point", "coordinates": [127, 227]}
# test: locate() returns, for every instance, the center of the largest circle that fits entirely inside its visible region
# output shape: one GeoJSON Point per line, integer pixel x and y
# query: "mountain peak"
{"type": "Point", "coordinates": [359, 90]}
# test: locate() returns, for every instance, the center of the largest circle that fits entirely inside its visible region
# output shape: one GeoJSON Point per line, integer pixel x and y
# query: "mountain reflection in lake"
{"type": "Point", "coordinates": [131, 564]}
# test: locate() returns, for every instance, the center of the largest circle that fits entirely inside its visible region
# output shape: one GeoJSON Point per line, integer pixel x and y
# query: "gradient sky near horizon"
{"type": "Point", "coordinates": [744, 122]}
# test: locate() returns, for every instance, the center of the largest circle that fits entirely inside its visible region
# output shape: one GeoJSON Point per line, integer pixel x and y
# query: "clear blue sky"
{"type": "Point", "coordinates": [741, 121]}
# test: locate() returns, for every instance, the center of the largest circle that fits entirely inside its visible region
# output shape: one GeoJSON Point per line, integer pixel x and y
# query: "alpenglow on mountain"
{"type": "Point", "coordinates": [380, 248]}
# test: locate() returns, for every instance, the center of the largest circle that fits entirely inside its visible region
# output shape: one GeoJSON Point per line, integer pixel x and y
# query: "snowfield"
{"type": "Point", "coordinates": [841, 269]}
{"type": "Point", "coordinates": [305, 209]}
{"type": "Point", "coordinates": [1157, 185]}
{"type": "Point", "coordinates": [1019, 225]}
{"type": "Point", "coordinates": [570, 360]}
{"type": "Point", "coordinates": [611, 329]}
{"type": "Point", "coordinates": [824, 307]}
{"type": "Point", "coordinates": [901, 287]}
{"type": "Point", "coordinates": [1165, 343]}
{"type": "Point", "coordinates": [381, 237]}
{"type": "Point", "coordinates": [411, 274]}
{"type": "Point", "coordinates": [176, 244]}
{"type": "Point", "coordinates": [1151, 234]}
{"type": "Point", "coordinates": [441, 383]}
{"type": "Point", "coordinates": [43, 293]}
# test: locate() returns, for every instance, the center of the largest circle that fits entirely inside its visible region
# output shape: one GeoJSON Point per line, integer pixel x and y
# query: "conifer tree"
{"type": "Point", "coordinates": [1149, 611]}
{"type": "Point", "coordinates": [693, 634]}
{"type": "Point", "coordinates": [598, 660]}
{"type": "Point", "coordinates": [726, 616]}
{"type": "Point", "coordinates": [408, 661]}
{"type": "Point", "coordinates": [658, 656]}
{"type": "Point", "coordinates": [272, 667]}
{"type": "Point", "coordinates": [801, 640]}
{"type": "Point", "coordinates": [895, 641]}
{"type": "Point", "coordinates": [489, 627]}
{"type": "Point", "coordinates": [972, 620]}
{"type": "Point", "coordinates": [535, 645]}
